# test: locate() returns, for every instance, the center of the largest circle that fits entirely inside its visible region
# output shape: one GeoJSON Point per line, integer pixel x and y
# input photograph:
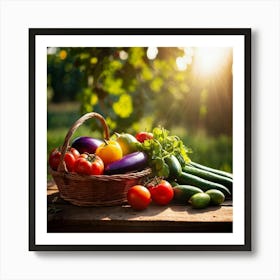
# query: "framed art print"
{"type": "Point", "coordinates": [140, 139]}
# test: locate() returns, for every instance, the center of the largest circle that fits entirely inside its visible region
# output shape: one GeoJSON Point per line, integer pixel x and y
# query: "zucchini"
{"type": "Point", "coordinates": [189, 179]}
{"type": "Point", "coordinates": [175, 168]}
{"type": "Point", "coordinates": [213, 170]}
{"type": "Point", "coordinates": [227, 182]}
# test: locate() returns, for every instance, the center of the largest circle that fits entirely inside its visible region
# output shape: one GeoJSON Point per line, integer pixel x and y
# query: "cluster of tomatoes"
{"type": "Point", "coordinates": [87, 164]}
{"type": "Point", "coordinates": [139, 197]}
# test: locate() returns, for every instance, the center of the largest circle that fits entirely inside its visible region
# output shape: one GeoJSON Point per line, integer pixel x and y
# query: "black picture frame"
{"type": "Point", "coordinates": [246, 32]}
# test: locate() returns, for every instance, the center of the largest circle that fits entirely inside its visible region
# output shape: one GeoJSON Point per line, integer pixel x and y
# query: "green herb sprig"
{"type": "Point", "coordinates": [163, 145]}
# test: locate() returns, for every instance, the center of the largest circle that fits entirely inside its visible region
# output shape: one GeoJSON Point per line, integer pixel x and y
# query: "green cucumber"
{"type": "Point", "coordinates": [205, 185]}
{"type": "Point", "coordinates": [213, 170]}
{"type": "Point", "coordinates": [217, 197]}
{"type": "Point", "coordinates": [173, 183]}
{"type": "Point", "coordinates": [225, 181]}
{"type": "Point", "coordinates": [175, 168]}
{"type": "Point", "coordinates": [200, 200]}
{"type": "Point", "coordinates": [182, 193]}
{"type": "Point", "coordinates": [181, 159]}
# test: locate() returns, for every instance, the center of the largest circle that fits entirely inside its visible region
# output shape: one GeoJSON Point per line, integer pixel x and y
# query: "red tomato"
{"type": "Point", "coordinates": [138, 197]}
{"type": "Point", "coordinates": [75, 152]}
{"type": "Point", "coordinates": [70, 157]}
{"type": "Point", "coordinates": [162, 193]}
{"type": "Point", "coordinates": [97, 166]}
{"type": "Point", "coordinates": [82, 166]}
{"type": "Point", "coordinates": [89, 165]}
{"type": "Point", "coordinates": [54, 158]}
{"type": "Point", "coordinates": [142, 136]}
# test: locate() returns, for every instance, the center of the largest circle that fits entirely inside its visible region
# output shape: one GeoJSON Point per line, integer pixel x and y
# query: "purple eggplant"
{"type": "Point", "coordinates": [131, 162]}
{"type": "Point", "coordinates": [85, 144]}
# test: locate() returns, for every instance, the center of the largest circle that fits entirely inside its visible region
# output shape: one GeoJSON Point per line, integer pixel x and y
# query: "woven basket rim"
{"type": "Point", "coordinates": [103, 177]}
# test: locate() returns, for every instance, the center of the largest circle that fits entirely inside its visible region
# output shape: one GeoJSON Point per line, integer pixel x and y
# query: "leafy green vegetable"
{"type": "Point", "coordinates": [163, 145]}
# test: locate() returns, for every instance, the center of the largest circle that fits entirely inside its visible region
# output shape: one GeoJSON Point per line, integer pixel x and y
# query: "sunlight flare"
{"type": "Point", "coordinates": [210, 60]}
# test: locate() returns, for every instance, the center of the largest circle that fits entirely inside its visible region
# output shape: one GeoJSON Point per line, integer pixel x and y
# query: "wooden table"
{"type": "Point", "coordinates": [65, 217]}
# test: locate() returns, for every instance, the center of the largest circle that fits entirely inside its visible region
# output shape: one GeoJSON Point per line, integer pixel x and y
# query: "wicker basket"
{"type": "Point", "coordinates": [98, 190]}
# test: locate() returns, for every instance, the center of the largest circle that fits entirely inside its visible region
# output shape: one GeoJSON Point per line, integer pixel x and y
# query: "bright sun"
{"type": "Point", "coordinates": [208, 61]}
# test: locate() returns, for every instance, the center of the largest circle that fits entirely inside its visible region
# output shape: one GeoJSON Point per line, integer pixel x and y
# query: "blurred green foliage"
{"type": "Point", "coordinates": [137, 88]}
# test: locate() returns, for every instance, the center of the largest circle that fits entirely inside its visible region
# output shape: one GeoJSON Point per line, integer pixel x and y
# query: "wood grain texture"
{"type": "Point", "coordinates": [65, 217]}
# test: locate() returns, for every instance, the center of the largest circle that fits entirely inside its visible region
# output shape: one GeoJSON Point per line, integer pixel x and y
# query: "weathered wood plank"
{"type": "Point", "coordinates": [152, 213]}
{"type": "Point", "coordinates": [65, 217]}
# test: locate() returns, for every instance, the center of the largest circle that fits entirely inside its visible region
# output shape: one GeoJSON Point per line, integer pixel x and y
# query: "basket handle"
{"type": "Point", "coordinates": [73, 128]}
